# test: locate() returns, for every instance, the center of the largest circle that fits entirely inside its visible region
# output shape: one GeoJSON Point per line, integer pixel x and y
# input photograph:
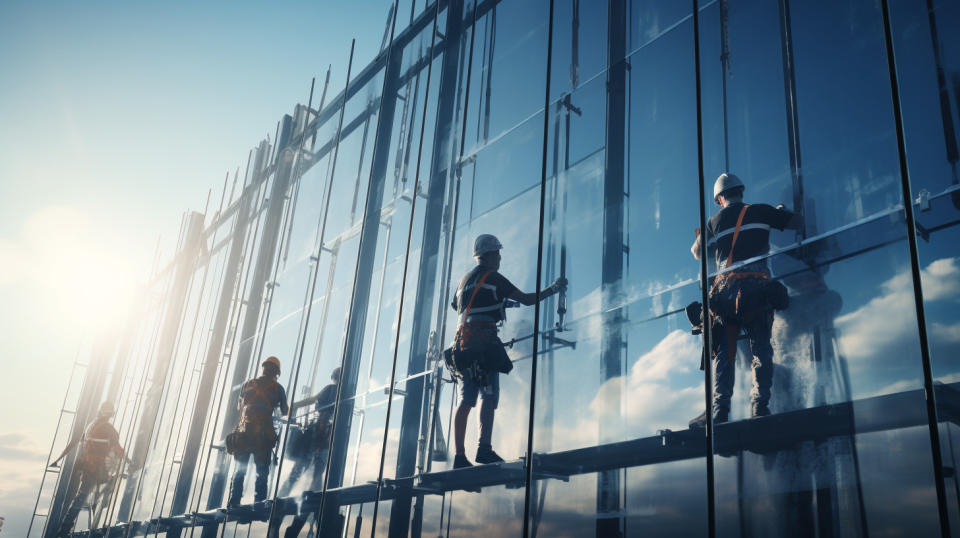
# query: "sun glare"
{"type": "Point", "coordinates": [86, 275]}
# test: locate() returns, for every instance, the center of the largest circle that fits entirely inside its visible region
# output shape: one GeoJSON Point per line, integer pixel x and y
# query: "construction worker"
{"type": "Point", "coordinates": [258, 399]}
{"type": "Point", "coordinates": [479, 301]}
{"type": "Point", "coordinates": [737, 298]}
{"type": "Point", "coordinates": [97, 443]}
{"type": "Point", "coordinates": [319, 433]}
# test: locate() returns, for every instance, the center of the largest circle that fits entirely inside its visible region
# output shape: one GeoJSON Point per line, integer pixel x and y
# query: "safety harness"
{"type": "Point", "coordinates": [258, 392]}
{"type": "Point", "coordinates": [732, 329]}
{"type": "Point", "coordinates": [469, 330]}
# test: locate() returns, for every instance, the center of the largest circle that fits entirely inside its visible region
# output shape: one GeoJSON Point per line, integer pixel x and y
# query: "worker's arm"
{"type": "Point", "coordinates": [528, 299]}
{"type": "Point", "coordinates": [120, 452]}
{"type": "Point", "coordinates": [796, 222]}
{"type": "Point", "coordinates": [695, 248]}
{"type": "Point", "coordinates": [284, 408]}
{"type": "Point", "coordinates": [784, 219]}
{"type": "Point", "coordinates": [73, 442]}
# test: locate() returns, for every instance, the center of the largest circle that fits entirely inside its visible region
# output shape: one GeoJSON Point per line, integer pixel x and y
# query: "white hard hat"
{"type": "Point", "coordinates": [107, 409]}
{"type": "Point", "coordinates": [486, 243]}
{"type": "Point", "coordinates": [725, 182]}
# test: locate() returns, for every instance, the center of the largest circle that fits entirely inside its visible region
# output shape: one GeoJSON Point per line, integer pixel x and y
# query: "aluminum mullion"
{"type": "Point", "coordinates": [704, 295]}
{"type": "Point", "coordinates": [916, 274]}
{"type": "Point", "coordinates": [536, 309]}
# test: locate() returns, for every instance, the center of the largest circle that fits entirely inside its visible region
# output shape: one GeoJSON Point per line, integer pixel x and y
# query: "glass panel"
{"type": "Point", "coordinates": [331, 271]}
{"type": "Point", "coordinates": [509, 69]}
{"type": "Point", "coordinates": [602, 463]}
{"type": "Point", "coordinates": [579, 45]}
{"type": "Point", "coordinates": [928, 72]}
{"type": "Point", "coordinates": [797, 104]}
{"type": "Point", "coordinates": [422, 406]}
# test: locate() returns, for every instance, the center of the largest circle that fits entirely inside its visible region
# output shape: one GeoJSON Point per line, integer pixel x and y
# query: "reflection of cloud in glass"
{"type": "Point", "coordinates": [870, 329]}
{"type": "Point", "coordinates": [651, 402]}
{"type": "Point", "coordinates": [946, 333]}
{"type": "Point", "coordinates": [647, 399]}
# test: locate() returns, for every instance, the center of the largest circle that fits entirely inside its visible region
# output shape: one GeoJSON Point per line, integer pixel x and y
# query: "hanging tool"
{"type": "Point", "coordinates": [562, 295]}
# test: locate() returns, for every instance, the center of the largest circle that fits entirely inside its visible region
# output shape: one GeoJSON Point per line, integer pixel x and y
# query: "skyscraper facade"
{"type": "Point", "coordinates": [587, 138]}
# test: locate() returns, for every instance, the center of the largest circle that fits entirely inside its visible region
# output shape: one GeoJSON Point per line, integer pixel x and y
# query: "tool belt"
{"type": "Point", "coordinates": [251, 435]}
{"type": "Point", "coordinates": [302, 441]}
{"type": "Point", "coordinates": [739, 297]}
{"type": "Point", "coordinates": [477, 351]}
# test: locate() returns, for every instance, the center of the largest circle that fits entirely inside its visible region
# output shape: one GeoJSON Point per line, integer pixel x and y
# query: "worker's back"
{"type": "Point", "coordinates": [260, 397]}
{"type": "Point", "coordinates": [754, 237]}
{"type": "Point", "coordinates": [99, 440]}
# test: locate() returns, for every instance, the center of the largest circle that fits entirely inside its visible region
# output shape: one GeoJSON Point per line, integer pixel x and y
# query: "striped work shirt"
{"type": "Point", "coordinates": [754, 238]}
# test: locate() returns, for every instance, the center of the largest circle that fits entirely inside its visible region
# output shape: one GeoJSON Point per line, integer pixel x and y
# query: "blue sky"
{"type": "Point", "coordinates": [117, 118]}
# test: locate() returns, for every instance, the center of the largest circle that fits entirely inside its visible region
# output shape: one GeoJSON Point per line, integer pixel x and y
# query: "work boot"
{"type": "Point", "coordinates": [461, 462]}
{"type": "Point", "coordinates": [486, 455]}
{"type": "Point", "coordinates": [760, 409]}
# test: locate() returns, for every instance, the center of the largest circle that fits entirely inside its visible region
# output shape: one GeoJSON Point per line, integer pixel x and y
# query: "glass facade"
{"type": "Point", "coordinates": [587, 138]}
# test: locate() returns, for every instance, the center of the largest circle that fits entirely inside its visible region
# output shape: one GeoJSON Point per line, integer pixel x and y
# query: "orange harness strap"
{"type": "Point", "coordinates": [732, 330]}
{"type": "Point", "coordinates": [463, 331]}
{"type": "Point", "coordinates": [736, 233]}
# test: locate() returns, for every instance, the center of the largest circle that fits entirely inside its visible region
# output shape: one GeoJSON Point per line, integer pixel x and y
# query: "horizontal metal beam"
{"type": "Point", "coordinates": [762, 435]}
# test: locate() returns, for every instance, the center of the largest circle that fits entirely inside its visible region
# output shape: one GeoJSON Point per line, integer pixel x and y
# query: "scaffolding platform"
{"type": "Point", "coordinates": [761, 435]}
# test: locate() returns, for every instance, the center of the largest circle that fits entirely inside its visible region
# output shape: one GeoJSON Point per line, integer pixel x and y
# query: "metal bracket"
{"type": "Point", "coordinates": [572, 344]}
{"type": "Point", "coordinates": [923, 200]}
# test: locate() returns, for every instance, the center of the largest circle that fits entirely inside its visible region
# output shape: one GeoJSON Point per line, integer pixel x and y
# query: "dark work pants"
{"type": "Point", "coordinates": [724, 367]}
{"type": "Point", "coordinates": [317, 460]}
{"type": "Point", "coordinates": [70, 517]}
{"type": "Point", "coordinates": [262, 461]}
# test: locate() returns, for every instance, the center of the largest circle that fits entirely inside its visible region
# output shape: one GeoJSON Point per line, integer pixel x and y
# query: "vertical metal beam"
{"type": "Point", "coordinates": [214, 354]}
{"type": "Point", "coordinates": [704, 295]}
{"type": "Point", "coordinates": [353, 347]}
{"type": "Point", "coordinates": [427, 271]}
{"type": "Point", "coordinates": [608, 482]}
{"type": "Point", "coordinates": [532, 407]}
{"type": "Point", "coordinates": [792, 115]}
{"type": "Point", "coordinates": [261, 272]}
{"type": "Point", "coordinates": [166, 347]}
{"type": "Point", "coordinates": [413, 213]}
{"type": "Point", "coordinates": [935, 447]}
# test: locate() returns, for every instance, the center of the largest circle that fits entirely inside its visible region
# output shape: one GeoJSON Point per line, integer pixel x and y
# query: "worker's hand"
{"type": "Point", "coordinates": [559, 285]}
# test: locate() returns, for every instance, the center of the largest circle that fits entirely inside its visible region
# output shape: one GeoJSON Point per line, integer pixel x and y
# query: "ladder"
{"type": "Point", "coordinates": [54, 470]}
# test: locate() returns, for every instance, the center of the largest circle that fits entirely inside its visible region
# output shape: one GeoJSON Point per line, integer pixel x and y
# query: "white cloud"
{"type": "Point", "coordinates": [889, 317]}
{"type": "Point", "coordinates": [946, 333]}
{"type": "Point", "coordinates": [941, 280]}
{"type": "Point", "coordinates": [21, 465]}
{"type": "Point", "coordinates": [647, 399]}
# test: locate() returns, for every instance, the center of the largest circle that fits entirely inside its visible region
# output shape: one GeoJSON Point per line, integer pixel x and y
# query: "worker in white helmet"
{"type": "Point", "coordinates": [479, 301]}
{"type": "Point", "coordinates": [739, 296]}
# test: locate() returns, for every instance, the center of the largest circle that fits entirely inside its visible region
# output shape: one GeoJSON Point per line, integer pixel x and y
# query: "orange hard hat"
{"type": "Point", "coordinates": [272, 360]}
